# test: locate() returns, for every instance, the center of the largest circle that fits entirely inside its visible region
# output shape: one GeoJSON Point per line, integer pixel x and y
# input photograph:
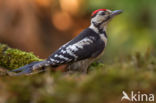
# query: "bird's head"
{"type": "Point", "coordinates": [101, 17]}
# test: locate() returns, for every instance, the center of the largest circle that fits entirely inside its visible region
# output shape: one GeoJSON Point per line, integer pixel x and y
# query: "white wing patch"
{"type": "Point", "coordinates": [53, 60]}
{"type": "Point", "coordinates": [79, 45]}
{"type": "Point", "coordinates": [71, 53]}
{"type": "Point", "coordinates": [71, 49]}
{"type": "Point", "coordinates": [63, 57]}
{"type": "Point", "coordinates": [55, 55]}
{"type": "Point", "coordinates": [63, 51]}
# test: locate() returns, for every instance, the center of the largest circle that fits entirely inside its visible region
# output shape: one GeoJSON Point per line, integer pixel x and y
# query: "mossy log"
{"type": "Point", "coordinates": [13, 58]}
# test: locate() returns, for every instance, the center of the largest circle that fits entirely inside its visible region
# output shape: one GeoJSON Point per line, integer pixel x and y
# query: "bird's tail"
{"type": "Point", "coordinates": [32, 68]}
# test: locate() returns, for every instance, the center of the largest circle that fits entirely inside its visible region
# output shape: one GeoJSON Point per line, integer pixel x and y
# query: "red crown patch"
{"type": "Point", "coordinates": [94, 12]}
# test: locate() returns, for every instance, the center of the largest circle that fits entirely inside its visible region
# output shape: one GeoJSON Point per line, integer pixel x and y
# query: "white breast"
{"type": "Point", "coordinates": [103, 38]}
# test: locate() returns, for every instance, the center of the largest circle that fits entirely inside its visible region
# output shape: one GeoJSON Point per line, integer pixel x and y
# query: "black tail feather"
{"type": "Point", "coordinates": [25, 67]}
{"type": "Point", "coordinates": [31, 68]}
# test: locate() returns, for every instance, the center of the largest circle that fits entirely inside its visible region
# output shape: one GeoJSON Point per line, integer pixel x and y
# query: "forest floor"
{"type": "Point", "coordinates": [103, 84]}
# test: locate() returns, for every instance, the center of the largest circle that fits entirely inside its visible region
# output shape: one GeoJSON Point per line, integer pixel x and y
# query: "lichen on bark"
{"type": "Point", "coordinates": [13, 58]}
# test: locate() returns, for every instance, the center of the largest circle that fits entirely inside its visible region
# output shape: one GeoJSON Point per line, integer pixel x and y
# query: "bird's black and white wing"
{"type": "Point", "coordinates": [86, 45]}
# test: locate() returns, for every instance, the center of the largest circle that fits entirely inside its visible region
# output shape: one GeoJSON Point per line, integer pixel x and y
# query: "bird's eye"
{"type": "Point", "coordinates": [103, 13]}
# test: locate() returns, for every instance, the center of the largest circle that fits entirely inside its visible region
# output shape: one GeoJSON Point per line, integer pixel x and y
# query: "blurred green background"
{"type": "Point", "coordinates": [41, 26]}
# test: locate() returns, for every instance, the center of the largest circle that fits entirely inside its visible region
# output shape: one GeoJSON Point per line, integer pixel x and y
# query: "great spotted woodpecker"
{"type": "Point", "coordinates": [81, 51]}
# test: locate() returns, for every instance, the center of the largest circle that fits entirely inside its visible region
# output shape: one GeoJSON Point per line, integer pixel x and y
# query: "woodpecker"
{"type": "Point", "coordinates": [81, 51]}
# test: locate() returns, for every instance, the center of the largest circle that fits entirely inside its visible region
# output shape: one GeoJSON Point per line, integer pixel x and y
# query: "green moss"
{"type": "Point", "coordinates": [103, 84]}
{"type": "Point", "coordinates": [13, 58]}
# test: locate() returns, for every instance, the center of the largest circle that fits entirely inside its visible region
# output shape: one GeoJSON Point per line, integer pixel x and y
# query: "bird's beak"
{"type": "Point", "coordinates": [116, 12]}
